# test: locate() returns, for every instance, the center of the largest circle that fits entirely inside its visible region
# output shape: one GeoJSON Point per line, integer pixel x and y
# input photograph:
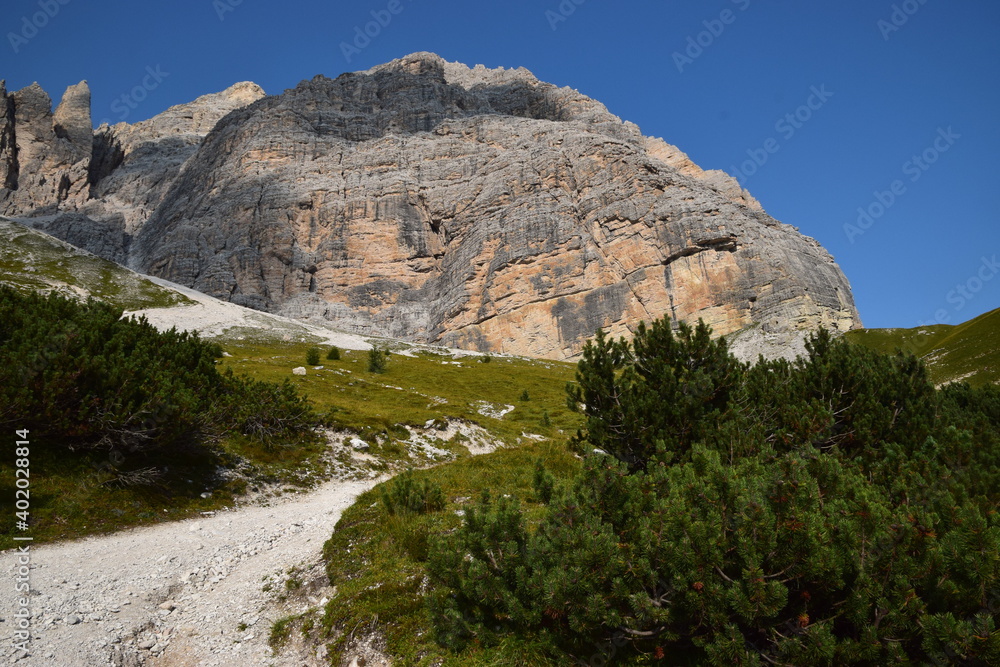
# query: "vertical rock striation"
{"type": "Point", "coordinates": [8, 143]}
{"type": "Point", "coordinates": [47, 154]}
{"type": "Point", "coordinates": [435, 202]}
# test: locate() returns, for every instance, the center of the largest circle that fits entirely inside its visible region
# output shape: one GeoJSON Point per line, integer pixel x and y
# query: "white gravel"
{"type": "Point", "coordinates": [748, 345]}
{"type": "Point", "coordinates": [213, 317]}
{"type": "Point", "coordinates": [174, 594]}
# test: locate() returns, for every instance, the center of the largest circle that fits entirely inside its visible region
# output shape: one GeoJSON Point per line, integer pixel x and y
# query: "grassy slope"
{"type": "Point", "coordinates": [33, 261]}
{"type": "Point", "coordinates": [415, 389]}
{"type": "Point", "coordinates": [378, 561]}
{"type": "Point", "coordinates": [75, 498]}
{"type": "Point", "coordinates": [968, 352]}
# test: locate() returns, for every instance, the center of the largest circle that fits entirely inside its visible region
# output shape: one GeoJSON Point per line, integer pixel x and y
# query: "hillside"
{"type": "Point", "coordinates": [261, 593]}
{"type": "Point", "coordinates": [31, 261]}
{"type": "Point", "coordinates": [430, 405]}
{"type": "Point", "coordinates": [968, 352]}
{"type": "Point", "coordinates": [251, 586]}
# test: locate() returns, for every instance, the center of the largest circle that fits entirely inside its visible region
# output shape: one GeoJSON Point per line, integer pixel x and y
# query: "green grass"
{"type": "Point", "coordinates": [378, 560]}
{"type": "Point", "coordinates": [375, 559]}
{"type": "Point", "coordinates": [968, 352]}
{"type": "Point", "coordinates": [415, 390]}
{"type": "Point", "coordinates": [31, 261]}
{"type": "Point", "coordinates": [280, 631]}
{"type": "Point", "coordinates": [380, 574]}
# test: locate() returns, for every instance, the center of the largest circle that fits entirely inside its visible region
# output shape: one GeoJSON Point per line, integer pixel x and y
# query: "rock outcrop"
{"type": "Point", "coordinates": [439, 203]}
{"type": "Point", "coordinates": [8, 161]}
{"type": "Point", "coordinates": [45, 155]}
{"type": "Point", "coordinates": [91, 188]}
{"type": "Point", "coordinates": [134, 165]}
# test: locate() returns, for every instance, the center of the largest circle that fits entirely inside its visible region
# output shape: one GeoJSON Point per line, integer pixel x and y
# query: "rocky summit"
{"type": "Point", "coordinates": [423, 200]}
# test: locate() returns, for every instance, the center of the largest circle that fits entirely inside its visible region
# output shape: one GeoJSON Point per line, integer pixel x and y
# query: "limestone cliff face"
{"type": "Point", "coordinates": [471, 207]}
{"type": "Point", "coordinates": [91, 188]}
{"type": "Point", "coordinates": [134, 165]}
{"type": "Point", "coordinates": [44, 156]}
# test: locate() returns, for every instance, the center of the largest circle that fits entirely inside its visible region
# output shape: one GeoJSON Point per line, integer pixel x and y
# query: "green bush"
{"type": "Point", "coordinates": [263, 411]}
{"type": "Point", "coordinates": [405, 494]}
{"type": "Point", "coordinates": [525, 396]}
{"type": "Point", "coordinates": [377, 360]}
{"type": "Point", "coordinates": [84, 378]}
{"type": "Point", "coordinates": [333, 354]}
{"type": "Point", "coordinates": [835, 510]}
{"type": "Point", "coordinates": [544, 482]}
{"type": "Point", "coordinates": [280, 632]}
{"type": "Point", "coordinates": [312, 356]}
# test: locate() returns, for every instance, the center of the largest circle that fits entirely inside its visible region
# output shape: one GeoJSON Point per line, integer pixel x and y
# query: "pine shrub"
{"type": "Point", "coordinates": [83, 378]}
{"type": "Point", "coordinates": [377, 360]}
{"type": "Point", "coordinates": [832, 510]}
{"type": "Point", "coordinates": [405, 494]}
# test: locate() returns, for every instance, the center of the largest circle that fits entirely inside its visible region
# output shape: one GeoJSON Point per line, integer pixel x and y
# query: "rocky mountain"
{"type": "Point", "coordinates": [422, 200]}
{"type": "Point", "coordinates": [91, 188]}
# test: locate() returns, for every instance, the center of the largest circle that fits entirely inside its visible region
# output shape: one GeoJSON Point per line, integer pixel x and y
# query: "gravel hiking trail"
{"type": "Point", "coordinates": [188, 593]}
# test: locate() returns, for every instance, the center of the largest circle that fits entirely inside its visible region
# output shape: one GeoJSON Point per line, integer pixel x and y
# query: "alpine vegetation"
{"type": "Point", "coordinates": [835, 510]}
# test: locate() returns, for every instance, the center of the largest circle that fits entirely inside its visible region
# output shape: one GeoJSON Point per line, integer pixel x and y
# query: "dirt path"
{"type": "Point", "coordinates": [189, 593]}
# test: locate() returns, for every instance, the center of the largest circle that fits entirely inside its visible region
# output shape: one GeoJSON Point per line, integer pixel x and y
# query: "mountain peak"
{"type": "Point", "coordinates": [244, 92]}
{"type": "Point", "coordinates": [456, 73]}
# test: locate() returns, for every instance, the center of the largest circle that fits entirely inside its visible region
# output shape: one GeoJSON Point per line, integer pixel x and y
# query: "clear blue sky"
{"type": "Point", "coordinates": [928, 89]}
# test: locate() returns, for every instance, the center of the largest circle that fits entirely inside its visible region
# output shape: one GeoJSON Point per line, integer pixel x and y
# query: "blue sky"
{"type": "Point", "coordinates": [821, 108]}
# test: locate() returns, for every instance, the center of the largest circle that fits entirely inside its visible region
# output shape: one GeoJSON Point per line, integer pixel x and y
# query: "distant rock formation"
{"type": "Point", "coordinates": [135, 165]}
{"type": "Point", "coordinates": [44, 155]}
{"type": "Point", "coordinates": [91, 188]}
{"type": "Point", "coordinates": [434, 202]}
{"type": "Point", "coordinates": [8, 156]}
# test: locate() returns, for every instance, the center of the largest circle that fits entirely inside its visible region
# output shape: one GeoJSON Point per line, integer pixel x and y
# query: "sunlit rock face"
{"type": "Point", "coordinates": [439, 203]}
